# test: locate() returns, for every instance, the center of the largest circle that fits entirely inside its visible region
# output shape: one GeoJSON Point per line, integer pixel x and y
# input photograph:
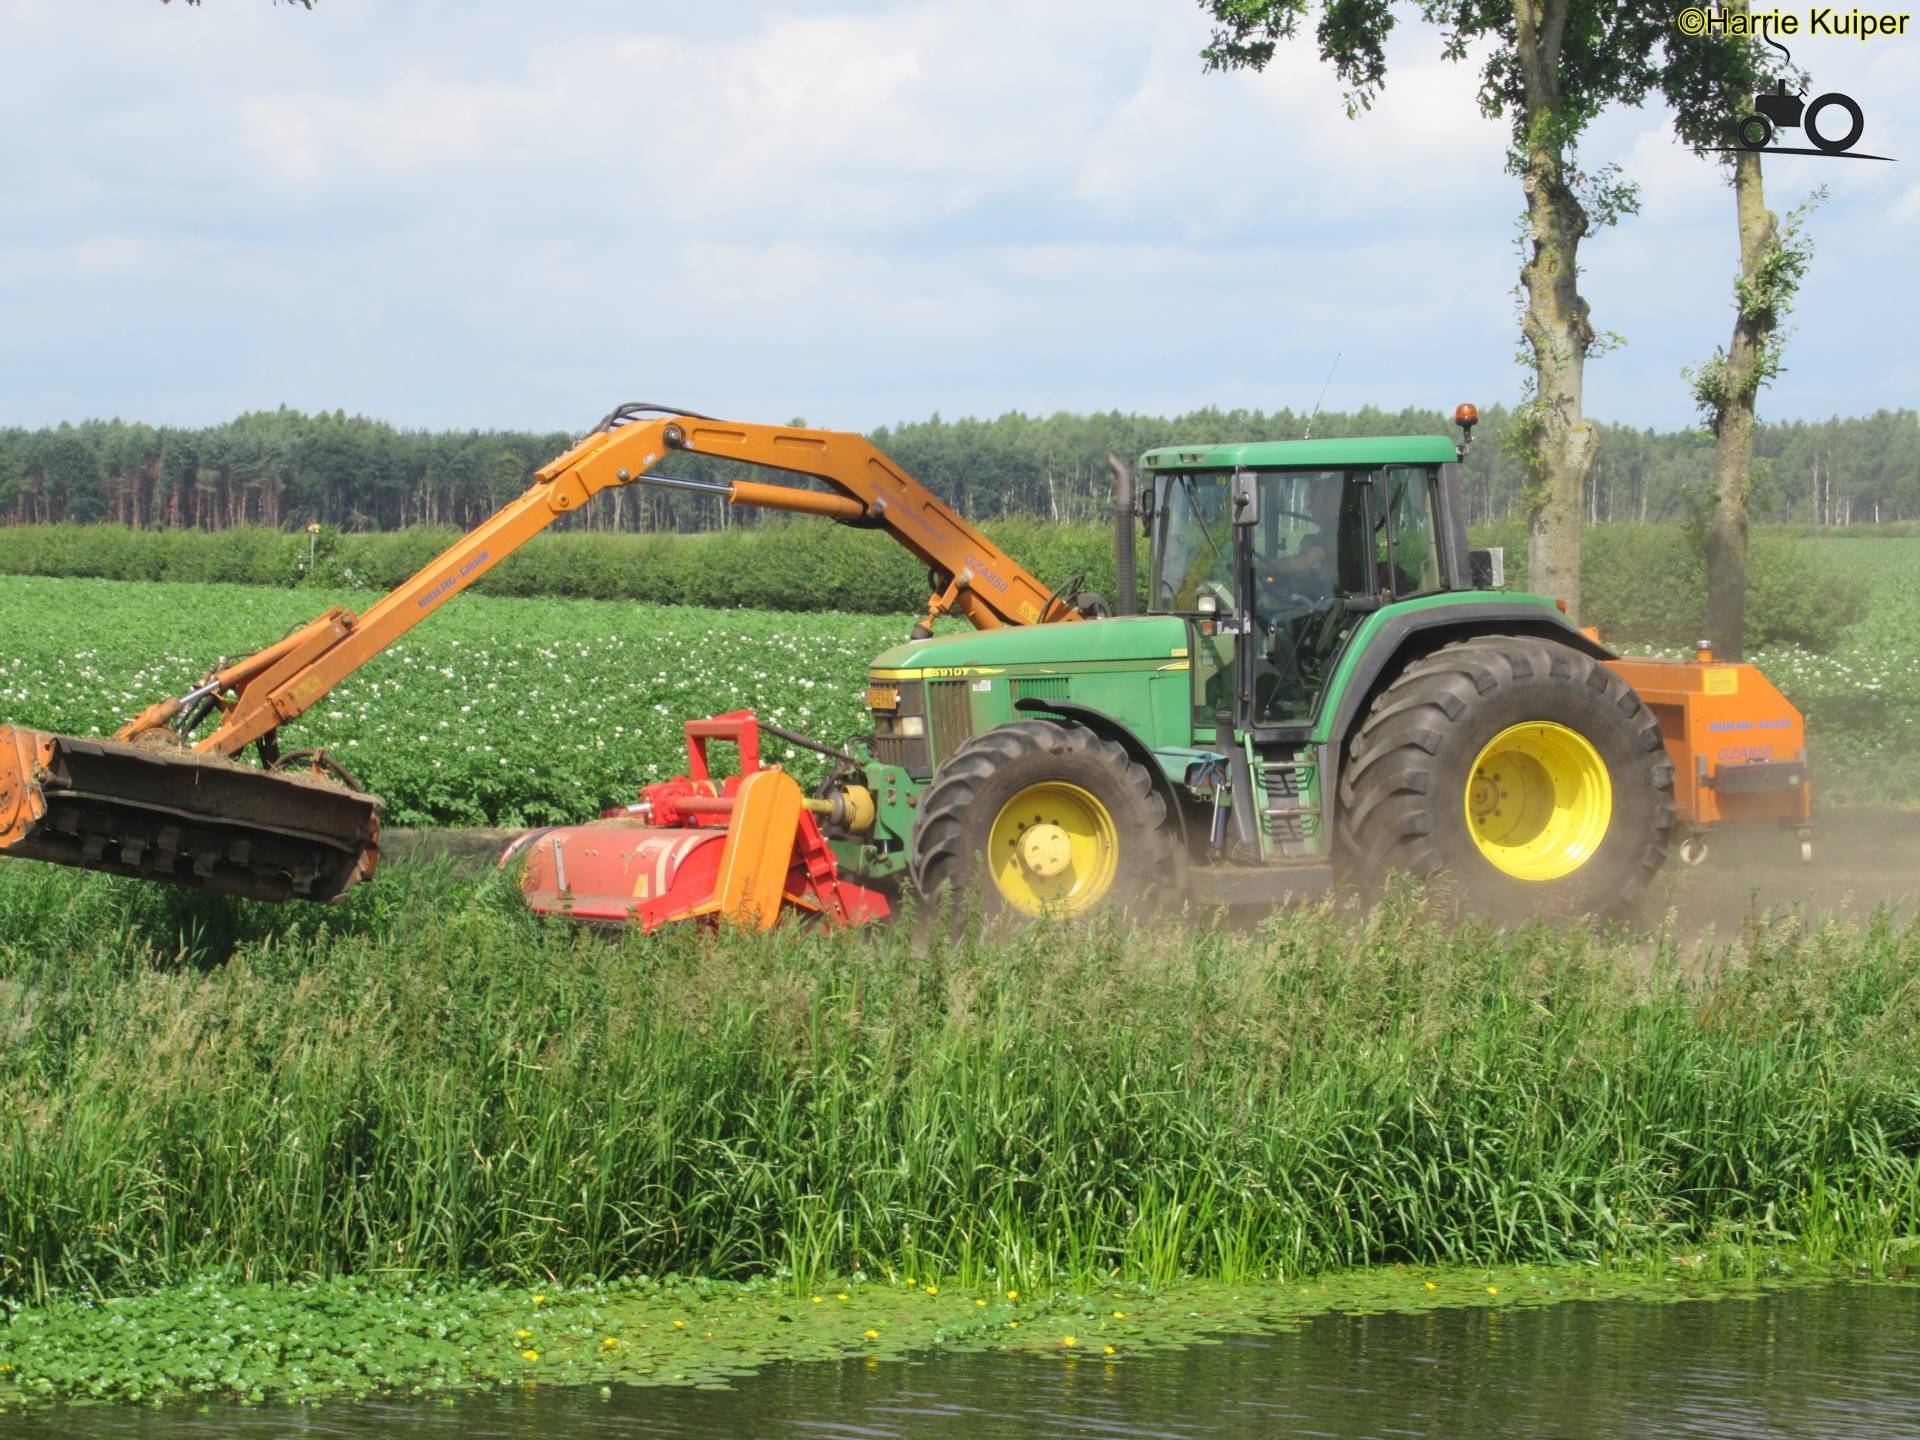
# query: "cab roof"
{"type": "Point", "coordinates": [1279, 454]}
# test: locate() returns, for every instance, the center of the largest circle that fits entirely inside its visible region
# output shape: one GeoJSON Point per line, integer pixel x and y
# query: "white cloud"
{"type": "Point", "coordinates": [489, 213]}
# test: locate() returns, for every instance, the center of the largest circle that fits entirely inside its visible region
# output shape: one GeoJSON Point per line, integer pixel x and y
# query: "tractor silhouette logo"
{"type": "Point", "coordinates": [1832, 122]}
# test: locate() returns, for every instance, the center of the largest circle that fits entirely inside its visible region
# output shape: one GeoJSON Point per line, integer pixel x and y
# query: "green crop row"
{"type": "Point", "coordinates": [428, 1081]}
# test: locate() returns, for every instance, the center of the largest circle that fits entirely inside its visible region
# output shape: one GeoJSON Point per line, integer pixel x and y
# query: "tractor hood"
{"type": "Point", "coordinates": [1136, 638]}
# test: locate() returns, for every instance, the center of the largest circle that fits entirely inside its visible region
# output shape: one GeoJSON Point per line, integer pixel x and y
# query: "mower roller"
{"type": "Point", "coordinates": [1326, 682]}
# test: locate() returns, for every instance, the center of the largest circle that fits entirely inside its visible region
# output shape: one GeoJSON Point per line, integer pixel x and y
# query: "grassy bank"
{"type": "Point", "coordinates": [426, 1083]}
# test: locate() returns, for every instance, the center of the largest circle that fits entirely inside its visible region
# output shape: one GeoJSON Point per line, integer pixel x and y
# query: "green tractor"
{"type": "Point", "coordinates": [1326, 682]}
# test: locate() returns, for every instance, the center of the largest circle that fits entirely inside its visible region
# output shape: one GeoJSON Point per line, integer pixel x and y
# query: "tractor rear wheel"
{"type": "Point", "coordinates": [1049, 818]}
{"type": "Point", "coordinates": [1525, 769]}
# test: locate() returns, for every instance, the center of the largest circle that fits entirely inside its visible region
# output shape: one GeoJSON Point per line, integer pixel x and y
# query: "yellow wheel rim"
{"type": "Point", "coordinates": [1539, 801]}
{"type": "Point", "coordinates": [1053, 848]}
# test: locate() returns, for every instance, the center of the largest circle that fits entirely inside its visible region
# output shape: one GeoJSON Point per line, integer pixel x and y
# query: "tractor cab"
{"type": "Point", "coordinates": [1275, 552]}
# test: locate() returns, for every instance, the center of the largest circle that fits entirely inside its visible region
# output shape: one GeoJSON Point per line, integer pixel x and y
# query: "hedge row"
{"type": "Point", "coordinates": [1643, 583]}
{"type": "Point", "coordinates": [802, 565]}
{"type": "Point", "coordinates": [1648, 584]}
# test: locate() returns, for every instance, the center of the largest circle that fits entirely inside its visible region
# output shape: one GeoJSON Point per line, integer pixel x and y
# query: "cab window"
{"type": "Point", "coordinates": [1406, 544]}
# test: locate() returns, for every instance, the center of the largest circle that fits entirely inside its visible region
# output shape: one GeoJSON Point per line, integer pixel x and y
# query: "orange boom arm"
{"type": "Point", "coordinates": [258, 694]}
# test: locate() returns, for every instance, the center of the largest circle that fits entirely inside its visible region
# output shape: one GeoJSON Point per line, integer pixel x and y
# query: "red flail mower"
{"type": "Point", "coordinates": [745, 849]}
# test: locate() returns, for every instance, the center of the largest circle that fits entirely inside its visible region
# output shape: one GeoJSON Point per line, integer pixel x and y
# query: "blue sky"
{"type": "Point", "coordinates": [494, 213]}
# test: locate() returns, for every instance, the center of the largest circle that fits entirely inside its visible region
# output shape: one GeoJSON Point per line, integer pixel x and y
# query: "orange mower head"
{"type": "Point", "coordinates": [161, 812]}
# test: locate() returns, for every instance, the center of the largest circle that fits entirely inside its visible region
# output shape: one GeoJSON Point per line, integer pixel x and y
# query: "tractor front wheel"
{"type": "Point", "coordinates": [1525, 769]}
{"type": "Point", "coordinates": [1048, 818]}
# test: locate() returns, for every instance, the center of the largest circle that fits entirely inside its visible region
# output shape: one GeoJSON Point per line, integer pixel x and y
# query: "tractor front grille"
{"type": "Point", "coordinates": [891, 744]}
{"type": "Point", "coordinates": [950, 712]}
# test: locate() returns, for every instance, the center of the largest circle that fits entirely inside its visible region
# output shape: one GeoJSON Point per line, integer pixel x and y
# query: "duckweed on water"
{"type": "Point", "coordinates": [304, 1342]}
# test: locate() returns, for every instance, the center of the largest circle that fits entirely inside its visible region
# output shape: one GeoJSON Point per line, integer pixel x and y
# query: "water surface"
{"type": "Point", "coordinates": [1834, 1363]}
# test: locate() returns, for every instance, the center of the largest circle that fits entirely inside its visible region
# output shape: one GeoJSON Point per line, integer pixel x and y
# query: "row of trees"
{"type": "Point", "coordinates": [286, 469]}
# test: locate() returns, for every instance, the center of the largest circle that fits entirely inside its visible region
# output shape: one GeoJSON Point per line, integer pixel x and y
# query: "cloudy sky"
{"type": "Point", "coordinates": [497, 213]}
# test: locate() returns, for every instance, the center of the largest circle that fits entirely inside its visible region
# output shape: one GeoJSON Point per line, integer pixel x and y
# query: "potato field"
{"type": "Point", "coordinates": [512, 711]}
{"type": "Point", "coordinates": [491, 712]}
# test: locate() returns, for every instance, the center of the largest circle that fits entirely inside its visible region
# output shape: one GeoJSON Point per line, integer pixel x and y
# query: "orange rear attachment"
{"type": "Point", "coordinates": [1739, 747]}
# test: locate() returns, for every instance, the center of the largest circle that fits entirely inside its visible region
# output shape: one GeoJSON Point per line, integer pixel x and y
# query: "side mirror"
{"type": "Point", "coordinates": [1246, 498]}
{"type": "Point", "coordinates": [1143, 507]}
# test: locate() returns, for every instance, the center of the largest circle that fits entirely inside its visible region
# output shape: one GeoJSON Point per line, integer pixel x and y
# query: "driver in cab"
{"type": "Point", "coordinates": [1311, 570]}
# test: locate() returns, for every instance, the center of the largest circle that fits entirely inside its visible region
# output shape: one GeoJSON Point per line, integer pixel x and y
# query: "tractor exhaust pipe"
{"type": "Point", "coordinates": [1126, 583]}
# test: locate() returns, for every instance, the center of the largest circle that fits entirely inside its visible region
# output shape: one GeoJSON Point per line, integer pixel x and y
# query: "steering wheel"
{"type": "Point", "coordinates": [1061, 591]}
{"type": "Point", "coordinates": [1330, 627]}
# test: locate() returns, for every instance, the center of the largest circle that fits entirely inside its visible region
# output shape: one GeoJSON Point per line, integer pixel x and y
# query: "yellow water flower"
{"type": "Point", "coordinates": [1013, 1324]}
{"type": "Point", "coordinates": [980, 1302]}
{"type": "Point", "coordinates": [1069, 1340]}
{"type": "Point", "coordinates": [523, 1334]}
{"type": "Point", "coordinates": [1119, 1314]}
{"type": "Point", "coordinates": [816, 1299]}
{"type": "Point", "coordinates": [1493, 1289]}
{"type": "Point", "coordinates": [1013, 1294]}
{"type": "Point", "coordinates": [909, 1282]}
{"type": "Point", "coordinates": [841, 1296]}
{"type": "Point", "coordinates": [933, 1289]}
{"type": "Point", "coordinates": [679, 1324]}
{"type": "Point", "coordinates": [1431, 1285]}
{"type": "Point", "coordinates": [529, 1354]}
{"type": "Point", "coordinates": [873, 1334]}
{"type": "Point", "coordinates": [539, 1299]}
{"type": "Point", "coordinates": [1108, 1349]}
{"type": "Point", "coordinates": [608, 1343]}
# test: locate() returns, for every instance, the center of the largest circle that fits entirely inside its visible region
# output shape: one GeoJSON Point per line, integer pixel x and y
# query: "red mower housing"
{"type": "Point", "coordinates": [743, 849]}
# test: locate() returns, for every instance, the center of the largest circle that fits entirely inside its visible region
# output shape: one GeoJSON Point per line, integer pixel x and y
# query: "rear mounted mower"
{"type": "Point", "coordinates": [742, 849]}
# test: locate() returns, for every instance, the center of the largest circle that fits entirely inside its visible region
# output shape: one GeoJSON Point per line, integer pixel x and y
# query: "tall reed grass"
{"type": "Point", "coordinates": [427, 1080]}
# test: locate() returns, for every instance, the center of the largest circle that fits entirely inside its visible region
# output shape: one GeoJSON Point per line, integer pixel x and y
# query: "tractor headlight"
{"type": "Point", "coordinates": [911, 725]}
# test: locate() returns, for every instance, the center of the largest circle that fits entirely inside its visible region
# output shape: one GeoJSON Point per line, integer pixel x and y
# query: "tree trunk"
{"type": "Point", "coordinates": [1560, 448]}
{"type": "Point", "coordinates": [1733, 429]}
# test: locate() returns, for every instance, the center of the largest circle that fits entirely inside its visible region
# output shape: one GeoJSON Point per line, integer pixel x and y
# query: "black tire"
{"type": "Point", "coordinates": [1837, 144]}
{"type": "Point", "coordinates": [1755, 132]}
{"type": "Point", "coordinates": [1403, 791]}
{"type": "Point", "coordinates": [959, 809]}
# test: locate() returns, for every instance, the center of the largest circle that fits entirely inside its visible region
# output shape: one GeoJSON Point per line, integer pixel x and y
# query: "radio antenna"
{"type": "Point", "coordinates": [1323, 395]}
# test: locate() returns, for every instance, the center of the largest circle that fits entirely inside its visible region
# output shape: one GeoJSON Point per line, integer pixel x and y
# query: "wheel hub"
{"type": "Point", "coordinates": [1053, 847]}
{"type": "Point", "coordinates": [1539, 802]}
{"type": "Point", "coordinates": [1045, 850]}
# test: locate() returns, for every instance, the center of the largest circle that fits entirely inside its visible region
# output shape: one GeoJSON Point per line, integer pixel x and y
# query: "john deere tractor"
{"type": "Point", "coordinates": [1323, 682]}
